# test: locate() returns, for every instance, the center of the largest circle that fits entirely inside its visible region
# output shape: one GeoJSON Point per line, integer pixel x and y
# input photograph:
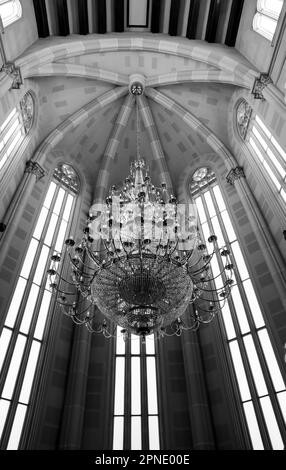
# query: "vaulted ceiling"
{"type": "Point", "coordinates": [84, 80]}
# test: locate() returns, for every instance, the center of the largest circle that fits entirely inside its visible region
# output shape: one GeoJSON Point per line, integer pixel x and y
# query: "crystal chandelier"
{"type": "Point", "coordinates": [141, 262]}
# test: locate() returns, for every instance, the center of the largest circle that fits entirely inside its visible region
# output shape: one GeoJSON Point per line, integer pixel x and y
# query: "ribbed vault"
{"type": "Point", "coordinates": [88, 113]}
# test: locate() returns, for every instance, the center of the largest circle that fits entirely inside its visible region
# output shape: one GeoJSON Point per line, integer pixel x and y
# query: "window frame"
{"type": "Point", "coordinates": [37, 330]}
{"type": "Point", "coordinates": [261, 15]}
{"type": "Point", "coordinates": [144, 357]}
{"type": "Point", "coordinates": [240, 337]}
{"type": "Point", "coordinates": [17, 115]}
{"type": "Point", "coordinates": [17, 14]}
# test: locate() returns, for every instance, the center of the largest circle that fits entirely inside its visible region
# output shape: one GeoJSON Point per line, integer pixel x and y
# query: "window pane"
{"type": "Point", "coordinates": [41, 265]}
{"type": "Point", "coordinates": [282, 402]}
{"type": "Point", "coordinates": [151, 386]}
{"type": "Point", "coordinates": [61, 236]}
{"type": "Point", "coordinates": [272, 176]}
{"type": "Point", "coordinates": [239, 371]}
{"type": "Point", "coordinates": [253, 427]}
{"type": "Point", "coordinates": [228, 227]}
{"type": "Point", "coordinates": [59, 201]}
{"type": "Point", "coordinates": [11, 130]}
{"type": "Point", "coordinates": [216, 271]}
{"type": "Point", "coordinates": [29, 309]}
{"type": "Point", "coordinates": [256, 149]}
{"type": "Point", "coordinates": [120, 343]}
{"type": "Point", "coordinates": [4, 344]}
{"type": "Point", "coordinates": [259, 138]}
{"type": "Point", "coordinates": [51, 230]}
{"type": "Point", "coordinates": [239, 259]}
{"type": "Point", "coordinates": [209, 203]}
{"type": "Point", "coordinates": [136, 440]}
{"type": "Point", "coordinates": [135, 386]}
{"type": "Point", "coordinates": [240, 311]}
{"type": "Point", "coordinates": [68, 207]}
{"type": "Point", "coordinates": [40, 224]}
{"type": "Point", "coordinates": [271, 361]}
{"type": "Point", "coordinates": [228, 323]}
{"type": "Point", "coordinates": [278, 147]}
{"type": "Point", "coordinates": [14, 143]}
{"type": "Point", "coordinates": [42, 317]}
{"type": "Point", "coordinates": [30, 372]}
{"type": "Point", "coordinates": [119, 386]}
{"type": "Point", "coordinates": [271, 423]}
{"type": "Point", "coordinates": [16, 302]}
{"type": "Point", "coordinates": [263, 127]}
{"type": "Point", "coordinates": [8, 119]}
{"type": "Point", "coordinates": [253, 304]}
{"type": "Point", "coordinates": [135, 344]}
{"type": "Point", "coordinates": [14, 367]}
{"type": "Point", "coordinates": [255, 366]}
{"type": "Point", "coordinates": [17, 427]}
{"type": "Point", "coordinates": [270, 7]}
{"type": "Point", "coordinates": [154, 441]}
{"type": "Point", "coordinates": [4, 408]}
{"type": "Point", "coordinates": [150, 344]}
{"type": "Point", "coordinates": [29, 259]}
{"type": "Point", "coordinates": [274, 160]}
{"type": "Point", "coordinates": [50, 195]}
{"type": "Point", "coordinates": [201, 210]}
{"type": "Point", "coordinates": [219, 198]}
{"type": "Point", "coordinates": [118, 429]}
{"type": "Point", "coordinates": [218, 232]}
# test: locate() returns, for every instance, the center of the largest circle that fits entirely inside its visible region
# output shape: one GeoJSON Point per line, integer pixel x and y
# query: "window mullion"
{"type": "Point", "coordinates": [268, 160]}
{"type": "Point", "coordinates": [254, 395]}
{"type": "Point", "coordinates": [269, 143]}
{"type": "Point", "coordinates": [144, 400]}
{"type": "Point", "coordinates": [127, 398]}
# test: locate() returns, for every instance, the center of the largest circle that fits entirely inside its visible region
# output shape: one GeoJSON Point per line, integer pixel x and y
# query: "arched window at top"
{"type": "Point", "coordinates": [266, 17]}
{"type": "Point", "coordinates": [10, 11]}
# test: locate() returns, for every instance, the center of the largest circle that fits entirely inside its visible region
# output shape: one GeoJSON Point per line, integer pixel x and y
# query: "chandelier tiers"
{"type": "Point", "coordinates": [141, 262]}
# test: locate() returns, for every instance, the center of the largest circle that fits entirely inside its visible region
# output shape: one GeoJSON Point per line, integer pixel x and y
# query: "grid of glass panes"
{"type": "Point", "coordinates": [257, 372]}
{"type": "Point", "coordinates": [135, 421]}
{"type": "Point", "coordinates": [10, 11]}
{"type": "Point", "coordinates": [24, 329]}
{"type": "Point", "coordinates": [12, 133]}
{"type": "Point", "coordinates": [266, 17]}
{"type": "Point", "coordinates": [270, 154]}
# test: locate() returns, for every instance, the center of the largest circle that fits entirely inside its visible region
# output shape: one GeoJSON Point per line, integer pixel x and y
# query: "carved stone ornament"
{"type": "Point", "coordinates": [14, 73]}
{"type": "Point", "coordinates": [243, 116]}
{"type": "Point", "coordinates": [259, 85]}
{"type": "Point", "coordinates": [35, 169]}
{"type": "Point", "coordinates": [235, 174]}
{"type": "Point", "coordinates": [27, 110]}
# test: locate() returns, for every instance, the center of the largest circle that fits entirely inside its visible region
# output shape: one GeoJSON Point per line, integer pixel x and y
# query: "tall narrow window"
{"type": "Point", "coordinates": [23, 335]}
{"type": "Point", "coordinates": [266, 17]}
{"type": "Point", "coordinates": [15, 127]}
{"type": "Point", "coordinates": [135, 421]}
{"type": "Point", "coordinates": [257, 372]}
{"type": "Point", "coordinates": [270, 156]}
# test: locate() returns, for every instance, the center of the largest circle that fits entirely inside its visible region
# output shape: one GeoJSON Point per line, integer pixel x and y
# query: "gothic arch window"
{"type": "Point", "coordinates": [15, 128]}
{"type": "Point", "coordinates": [10, 11]}
{"type": "Point", "coordinates": [266, 17]}
{"type": "Point", "coordinates": [24, 333]}
{"type": "Point", "coordinates": [135, 415]}
{"type": "Point", "coordinates": [268, 154]}
{"type": "Point", "coordinates": [257, 374]}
